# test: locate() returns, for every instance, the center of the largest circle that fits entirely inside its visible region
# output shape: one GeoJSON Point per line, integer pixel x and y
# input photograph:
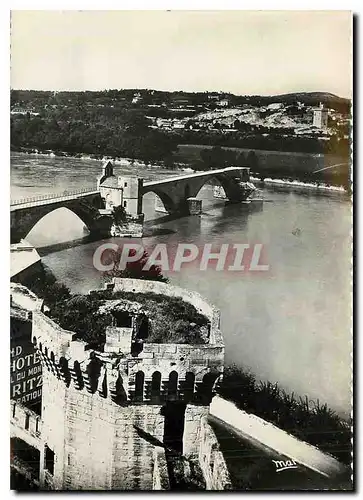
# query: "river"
{"type": "Point", "coordinates": [290, 325]}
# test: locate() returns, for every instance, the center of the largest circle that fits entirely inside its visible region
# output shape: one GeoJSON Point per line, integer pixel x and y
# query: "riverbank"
{"type": "Point", "coordinates": [298, 185]}
{"type": "Point", "coordinates": [309, 168]}
{"type": "Point", "coordinates": [184, 167]}
{"type": "Point", "coordinates": [93, 157]}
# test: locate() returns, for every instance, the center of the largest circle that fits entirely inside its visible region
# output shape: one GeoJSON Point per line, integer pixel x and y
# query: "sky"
{"type": "Point", "coordinates": [243, 52]}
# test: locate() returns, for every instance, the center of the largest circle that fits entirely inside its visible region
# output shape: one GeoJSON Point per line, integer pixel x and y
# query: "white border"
{"type": "Point", "coordinates": [353, 5]}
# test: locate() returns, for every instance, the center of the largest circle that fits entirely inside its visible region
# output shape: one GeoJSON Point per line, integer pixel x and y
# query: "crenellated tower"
{"type": "Point", "coordinates": [127, 415]}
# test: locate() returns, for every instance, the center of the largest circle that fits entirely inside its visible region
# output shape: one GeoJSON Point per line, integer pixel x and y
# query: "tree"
{"type": "Point", "coordinates": [135, 269]}
{"type": "Point", "coordinates": [252, 160]}
{"type": "Point", "coordinates": [119, 214]}
{"type": "Point", "coordinates": [241, 160]}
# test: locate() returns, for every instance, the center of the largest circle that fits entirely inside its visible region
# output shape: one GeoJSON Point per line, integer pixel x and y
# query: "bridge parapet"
{"type": "Point", "coordinates": [42, 199]}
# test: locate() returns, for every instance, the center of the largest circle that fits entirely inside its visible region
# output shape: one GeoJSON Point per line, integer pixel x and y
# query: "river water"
{"type": "Point", "coordinates": [289, 325]}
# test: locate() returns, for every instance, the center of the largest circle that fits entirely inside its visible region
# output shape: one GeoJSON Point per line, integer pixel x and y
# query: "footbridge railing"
{"type": "Point", "coordinates": [41, 199]}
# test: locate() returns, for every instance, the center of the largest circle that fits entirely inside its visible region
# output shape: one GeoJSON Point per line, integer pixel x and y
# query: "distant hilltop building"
{"type": "Point", "coordinates": [23, 111]}
{"type": "Point", "coordinates": [320, 117]}
{"type": "Point", "coordinates": [137, 97]}
{"type": "Point", "coordinates": [223, 103]}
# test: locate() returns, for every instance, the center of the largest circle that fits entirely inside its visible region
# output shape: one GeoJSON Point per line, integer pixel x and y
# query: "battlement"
{"type": "Point", "coordinates": [159, 373]}
{"type": "Point", "coordinates": [155, 372]}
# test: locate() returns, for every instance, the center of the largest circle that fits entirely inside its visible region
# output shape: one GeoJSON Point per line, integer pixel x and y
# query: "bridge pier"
{"type": "Point", "coordinates": [194, 206]}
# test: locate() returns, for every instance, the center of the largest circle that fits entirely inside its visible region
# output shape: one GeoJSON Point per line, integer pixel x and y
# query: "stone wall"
{"type": "Point", "coordinates": [98, 444]}
{"type": "Point", "coordinates": [211, 459]}
{"type": "Point", "coordinates": [100, 415]}
{"type": "Point", "coordinates": [160, 473]}
{"type": "Point", "coordinates": [56, 344]}
{"type": "Point", "coordinates": [25, 424]}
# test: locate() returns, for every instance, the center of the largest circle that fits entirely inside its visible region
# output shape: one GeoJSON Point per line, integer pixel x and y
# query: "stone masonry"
{"type": "Point", "coordinates": [110, 416]}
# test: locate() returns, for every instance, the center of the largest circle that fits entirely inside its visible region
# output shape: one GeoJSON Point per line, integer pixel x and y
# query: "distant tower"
{"type": "Point", "coordinates": [132, 415]}
{"type": "Point", "coordinates": [320, 117]}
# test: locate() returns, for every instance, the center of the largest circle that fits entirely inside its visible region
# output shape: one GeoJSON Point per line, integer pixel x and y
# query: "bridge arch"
{"type": "Point", "coordinates": [227, 183]}
{"type": "Point", "coordinates": [175, 191]}
{"type": "Point", "coordinates": [166, 199]}
{"type": "Point", "coordinates": [26, 222]}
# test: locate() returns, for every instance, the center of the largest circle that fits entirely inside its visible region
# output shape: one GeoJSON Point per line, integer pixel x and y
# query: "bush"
{"type": "Point", "coordinates": [79, 314]}
{"type": "Point", "coordinates": [308, 420]}
{"type": "Point", "coordinates": [172, 319]}
{"type": "Point", "coordinates": [119, 214]}
{"type": "Point", "coordinates": [46, 287]}
{"type": "Point", "coordinates": [135, 269]}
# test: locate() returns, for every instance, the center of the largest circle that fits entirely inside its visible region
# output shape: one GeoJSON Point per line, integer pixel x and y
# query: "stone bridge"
{"type": "Point", "coordinates": [27, 212]}
{"type": "Point", "coordinates": [175, 191]}
{"type": "Point", "coordinates": [94, 208]}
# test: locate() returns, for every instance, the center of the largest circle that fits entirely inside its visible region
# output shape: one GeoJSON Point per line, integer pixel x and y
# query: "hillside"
{"type": "Point", "coordinates": [150, 124]}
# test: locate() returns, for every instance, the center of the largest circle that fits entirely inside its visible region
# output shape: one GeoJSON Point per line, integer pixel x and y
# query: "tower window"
{"type": "Point", "coordinates": [49, 460]}
{"type": "Point", "coordinates": [125, 203]}
{"type": "Point", "coordinates": [139, 386]}
{"type": "Point", "coordinates": [155, 386]}
{"type": "Point", "coordinates": [125, 185]}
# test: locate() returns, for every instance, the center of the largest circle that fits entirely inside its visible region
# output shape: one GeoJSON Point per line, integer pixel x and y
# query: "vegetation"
{"type": "Point", "coordinates": [110, 123]}
{"type": "Point", "coordinates": [79, 128]}
{"type": "Point", "coordinates": [279, 140]}
{"type": "Point", "coordinates": [176, 321]}
{"type": "Point", "coordinates": [79, 314]}
{"type": "Point", "coordinates": [135, 269]}
{"type": "Point", "coordinates": [119, 214]}
{"type": "Point", "coordinates": [172, 319]}
{"type": "Point", "coordinates": [217, 157]}
{"type": "Point", "coordinates": [39, 99]}
{"type": "Point", "coordinates": [308, 420]}
{"type": "Point", "coordinates": [47, 287]}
